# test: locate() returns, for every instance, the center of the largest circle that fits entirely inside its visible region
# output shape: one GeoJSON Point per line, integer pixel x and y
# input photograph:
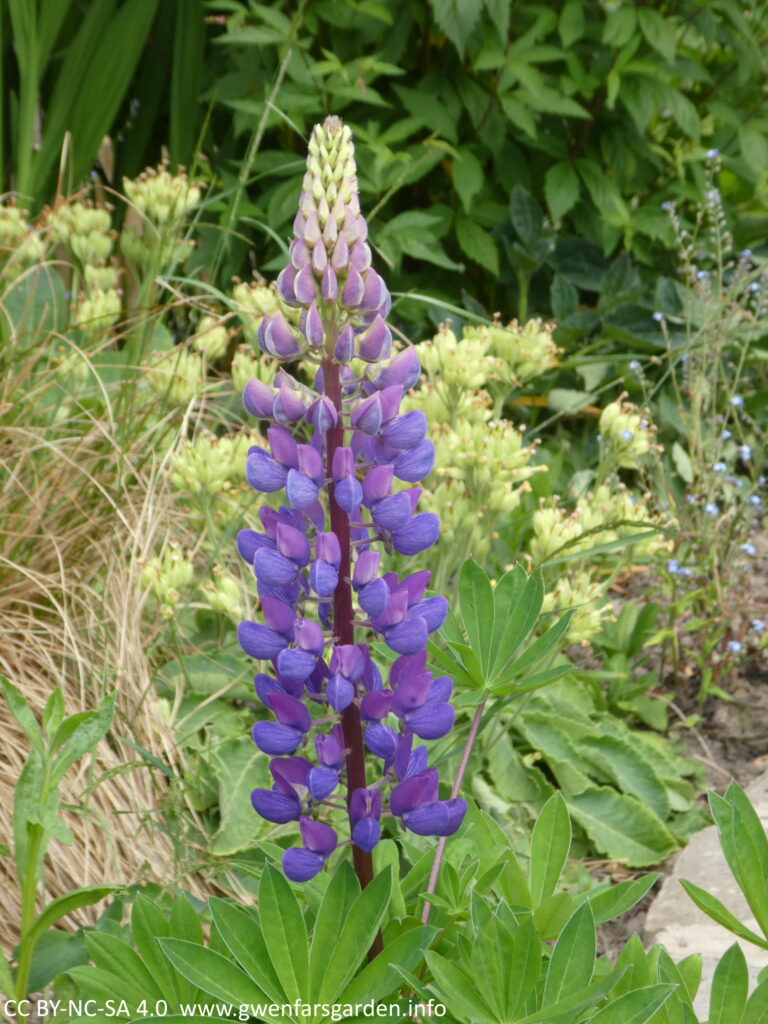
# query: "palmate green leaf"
{"type": "Point", "coordinates": [102, 985]}
{"type": "Point", "coordinates": [634, 1007]}
{"type": "Point", "coordinates": [148, 924]}
{"type": "Point", "coordinates": [550, 843]}
{"type": "Point", "coordinates": [342, 891]}
{"type": "Point", "coordinates": [516, 610]}
{"type": "Point", "coordinates": [541, 647]}
{"type": "Point", "coordinates": [241, 931]}
{"type": "Point", "coordinates": [621, 827]}
{"type": "Point", "coordinates": [569, 1007]}
{"type": "Point", "coordinates": [119, 958]}
{"type": "Point", "coordinates": [214, 974]}
{"type": "Point", "coordinates": [617, 900]}
{"type": "Point", "coordinates": [713, 908]}
{"type": "Point", "coordinates": [356, 937]}
{"type": "Point", "coordinates": [524, 966]}
{"type": "Point", "coordinates": [285, 933]}
{"type": "Point", "coordinates": [471, 662]}
{"type": "Point", "coordinates": [532, 682]}
{"type": "Point", "coordinates": [458, 991]}
{"type": "Point", "coordinates": [450, 664]}
{"type": "Point", "coordinates": [476, 602]}
{"type": "Point", "coordinates": [573, 958]}
{"type": "Point", "coordinates": [379, 978]}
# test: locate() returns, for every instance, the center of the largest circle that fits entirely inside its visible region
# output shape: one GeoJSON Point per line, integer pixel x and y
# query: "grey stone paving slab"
{"type": "Point", "coordinates": [676, 921]}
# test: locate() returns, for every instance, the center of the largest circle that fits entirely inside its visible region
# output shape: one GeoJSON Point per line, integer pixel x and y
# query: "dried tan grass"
{"type": "Point", "coordinates": [79, 514]}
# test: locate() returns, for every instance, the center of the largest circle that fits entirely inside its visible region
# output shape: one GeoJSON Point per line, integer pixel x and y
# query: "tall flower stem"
{"type": "Point", "coordinates": [343, 611]}
{"type": "Point", "coordinates": [433, 876]}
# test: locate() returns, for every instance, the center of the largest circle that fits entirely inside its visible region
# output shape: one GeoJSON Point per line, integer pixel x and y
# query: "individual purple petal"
{"type": "Point", "coordinates": [376, 343]}
{"type": "Point", "coordinates": [440, 689]}
{"type": "Point", "coordinates": [289, 773]}
{"type": "Point", "coordinates": [366, 567]}
{"type": "Point", "coordinates": [330, 747]}
{"type": "Point", "coordinates": [301, 491]}
{"type": "Point", "coordinates": [419, 533]}
{"type": "Point", "coordinates": [275, 738]}
{"type": "Point", "coordinates": [284, 448]}
{"type": "Point", "coordinates": [309, 636]}
{"type": "Point", "coordinates": [365, 803]}
{"type": "Point", "coordinates": [415, 584]}
{"type": "Point", "coordinates": [407, 665]}
{"type": "Point", "coordinates": [264, 473]}
{"type": "Point", "coordinates": [366, 416]}
{"type": "Point", "coordinates": [432, 609]}
{"type": "Point", "coordinates": [374, 291]}
{"type": "Point", "coordinates": [441, 818]}
{"type": "Point", "coordinates": [304, 286]}
{"type": "Point", "coordinates": [265, 687]}
{"type": "Point", "coordinates": [371, 676]}
{"type": "Point", "coordinates": [295, 664]}
{"type": "Point", "coordinates": [317, 836]}
{"type": "Point", "coordinates": [343, 463]}
{"type": "Point", "coordinates": [322, 781]}
{"type": "Point", "coordinates": [411, 693]}
{"type": "Point", "coordinates": [381, 740]}
{"type": "Point", "coordinates": [285, 282]}
{"type": "Point", "coordinates": [431, 721]}
{"type": "Point", "coordinates": [377, 484]}
{"type": "Point", "coordinates": [366, 833]}
{"type": "Point", "coordinates": [292, 543]}
{"type": "Point", "coordinates": [299, 253]}
{"type": "Point", "coordinates": [407, 637]}
{"type": "Point", "coordinates": [322, 414]}
{"type": "Point", "coordinates": [348, 493]}
{"type": "Point", "coordinates": [374, 597]}
{"type": "Point", "coordinates": [340, 692]}
{"type": "Point", "coordinates": [405, 431]}
{"type": "Point", "coordinates": [344, 350]}
{"type": "Point", "coordinates": [417, 463]}
{"type": "Point", "coordinates": [280, 339]}
{"type": "Point", "coordinates": [393, 512]}
{"type": "Point", "coordinates": [340, 255]}
{"type": "Point", "coordinates": [258, 399]}
{"type": "Point", "coordinates": [396, 610]}
{"type": "Point", "coordinates": [329, 285]}
{"type": "Point", "coordinates": [404, 369]}
{"type": "Point", "coordinates": [391, 398]}
{"type": "Point", "coordinates": [360, 256]}
{"type": "Point", "coordinates": [311, 463]}
{"type": "Point", "coordinates": [279, 615]}
{"type": "Point", "coordinates": [260, 641]}
{"type": "Point", "coordinates": [273, 568]}
{"type": "Point", "coordinates": [353, 289]}
{"type": "Point", "coordinates": [323, 578]}
{"type": "Point", "coordinates": [417, 790]}
{"type": "Point", "coordinates": [277, 807]}
{"type": "Point", "coordinates": [311, 233]}
{"type": "Point", "coordinates": [327, 547]}
{"type": "Point", "coordinates": [348, 659]}
{"type": "Point", "coordinates": [249, 542]}
{"type": "Point", "coordinates": [300, 865]}
{"type": "Point", "coordinates": [416, 764]}
{"type": "Point", "coordinates": [375, 705]}
{"type": "Point", "coordinates": [288, 406]}
{"type": "Point", "coordinates": [319, 258]}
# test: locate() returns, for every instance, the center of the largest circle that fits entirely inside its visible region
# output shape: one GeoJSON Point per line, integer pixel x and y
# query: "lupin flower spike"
{"type": "Point", "coordinates": [337, 453]}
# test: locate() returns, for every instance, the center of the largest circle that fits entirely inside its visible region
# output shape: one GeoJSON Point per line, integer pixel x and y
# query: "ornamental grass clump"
{"type": "Point", "coordinates": [336, 450]}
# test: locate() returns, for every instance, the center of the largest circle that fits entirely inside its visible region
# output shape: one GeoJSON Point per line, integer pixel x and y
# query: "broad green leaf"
{"type": "Point", "coordinates": [751, 846]}
{"type": "Point", "coordinates": [551, 915]}
{"type": "Point", "coordinates": [386, 856]}
{"type": "Point", "coordinates": [634, 1007]}
{"type": "Point", "coordinates": [571, 23]}
{"type": "Point", "coordinates": [468, 177]}
{"type": "Point", "coordinates": [618, 899]}
{"type": "Point", "coordinates": [285, 933]}
{"type": "Point", "coordinates": [534, 682]}
{"type": "Point", "coordinates": [621, 827]}
{"type": "Point", "coordinates": [550, 843]}
{"type": "Point", "coordinates": [524, 968]}
{"type": "Point", "coordinates": [525, 214]}
{"type": "Point", "coordinates": [756, 1010]}
{"type": "Point", "coordinates": [22, 713]}
{"type": "Point", "coordinates": [573, 958]}
{"type": "Point", "coordinates": [658, 30]}
{"type": "Point", "coordinates": [569, 1008]}
{"type": "Point", "coordinates": [713, 908]}
{"type": "Point", "coordinates": [619, 25]}
{"type": "Point", "coordinates": [240, 767]}
{"type": "Point", "coordinates": [355, 931]}
{"type": "Point", "coordinates": [478, 244]}
{"type": "Point", "coordinates": [53, 712]}
{"type": "Point", "coordinates": [459, 992]}
{"type": "Point", "coordinates": [564, 298]}
{"type": "Point", "coordinates": [629, 770]}
{"type": "Point", "coordinates": [242, 934]}
{"type": "Point", "coordinates": [183, 923]}
{"type": "Point", "coordinates": [102, 985]}
{"type": "Point", "coordinates": [378, 979]}
{"type": "Point", "coordinates": [477, 611]}
{"type": "Point", "coordinates": [517, 619]}
{"type": "Point", "coordinates": [213, 973]}
{"type": "Point", "coordinates": [561, 189]}
{"type": "Point", "coordinates": [457, 19]}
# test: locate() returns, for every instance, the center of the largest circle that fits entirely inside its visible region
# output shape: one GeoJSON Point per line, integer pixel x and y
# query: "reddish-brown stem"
{"type": "Point", "coordinates": [343, 626]}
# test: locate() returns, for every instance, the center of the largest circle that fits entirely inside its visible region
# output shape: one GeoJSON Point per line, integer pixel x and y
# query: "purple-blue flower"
{"type": "Point", "coordinates": [348, 460]}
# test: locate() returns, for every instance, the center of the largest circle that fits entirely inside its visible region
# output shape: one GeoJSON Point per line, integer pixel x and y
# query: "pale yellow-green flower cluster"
{"type": "Point", "coordinates": [211, 338]}
{"type": "Point", "coordinates": [246, 364]}
{"type": "Point", "coordinates": [165, 576]}
{"type": "Point", "coordinates": [163, 202]}
{"type": "Point", "coordinates": [177, 375]}
{"type": "Point", "coordinates": [211, 464]}
{"type": "Point", "coordinates": [224, 594]}
{"type": "Point", "coordinates": [525, 352]}
{"type": "Point", "coordinates": [25, 245]}
{"type": "Point", "coordinates": [626, 435]}
{"type": "Point", "coordinates": [586, 597]}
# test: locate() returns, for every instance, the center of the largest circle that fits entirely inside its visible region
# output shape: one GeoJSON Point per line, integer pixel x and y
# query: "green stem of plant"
{"type": "Point", "coordinates": [433, 876]}
{"type": "Point", "coordinates": [28, 896]}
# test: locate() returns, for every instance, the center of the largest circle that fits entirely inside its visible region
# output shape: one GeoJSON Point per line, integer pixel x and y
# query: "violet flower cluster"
{"type": "Point", "coordinates": [342, 453]}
